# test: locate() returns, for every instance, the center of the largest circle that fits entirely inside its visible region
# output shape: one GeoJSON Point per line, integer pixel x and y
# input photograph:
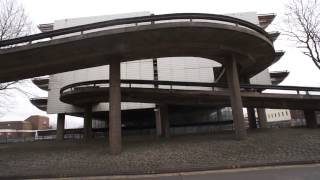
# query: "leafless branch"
{"type": "Point", "coordinates": [13, 23]}
{"type": "Point", "coordinates": [303, 25]}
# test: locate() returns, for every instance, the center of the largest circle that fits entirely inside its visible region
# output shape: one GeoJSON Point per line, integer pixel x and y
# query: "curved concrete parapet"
{"type": "Point", "coordinates": [216, 38]}
{"type": "Point", "coordinates": [92, 92]}
{"type": "Point", "coordinates": [278, 76]}
{"type": "Point", "coordinates": [42, 83]}
{"type": "Point", "coordinates": [40, 103]}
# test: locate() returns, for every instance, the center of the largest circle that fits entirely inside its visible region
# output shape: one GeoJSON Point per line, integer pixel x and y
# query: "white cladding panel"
{"type": "Point", "coordinates": [129, 70]}
{"type": "Point", "coordinates": [261, 78]}
{"type": "Point", "coordinates": [188, 69]}
{"type": "Point", "coordinates": [64, 23]}
{"type": "Point", "coordinates": [247, 16]}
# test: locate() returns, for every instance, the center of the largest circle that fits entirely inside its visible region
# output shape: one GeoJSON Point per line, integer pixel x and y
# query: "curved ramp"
{"type": "Point", "coordinates": [92, 92]}
{"type": "Point", "coordinates": [215, 38]}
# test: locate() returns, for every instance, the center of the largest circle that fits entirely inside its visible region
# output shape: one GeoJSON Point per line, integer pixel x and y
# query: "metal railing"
{"type": "Point", "coordinates": [130, 83]}
{"type": "Point", "coordinates": [192, 17]}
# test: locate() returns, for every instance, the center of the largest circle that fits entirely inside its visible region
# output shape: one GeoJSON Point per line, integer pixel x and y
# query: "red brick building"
{"type": "Point", "coordinates": [24, 128]}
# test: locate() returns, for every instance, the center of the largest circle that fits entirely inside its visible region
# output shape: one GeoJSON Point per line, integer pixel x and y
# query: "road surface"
{"type": "Point", "coordinates": [297, 172]}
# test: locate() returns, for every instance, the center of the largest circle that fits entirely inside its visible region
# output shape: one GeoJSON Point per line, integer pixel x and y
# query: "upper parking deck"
{"type": "Point", "coordinates": [208, 36]}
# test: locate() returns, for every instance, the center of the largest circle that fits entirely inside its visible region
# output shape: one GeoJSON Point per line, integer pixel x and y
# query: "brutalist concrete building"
{"type": "Point", "coordinates": [142, 115]}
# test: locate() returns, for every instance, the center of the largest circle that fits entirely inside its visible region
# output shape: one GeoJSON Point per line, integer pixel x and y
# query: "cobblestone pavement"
{"type": "Point", "coordinates": [151, 155]}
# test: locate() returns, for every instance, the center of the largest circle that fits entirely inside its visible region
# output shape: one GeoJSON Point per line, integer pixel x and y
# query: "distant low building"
{"type": "Point", "coordinates": [26, 128]}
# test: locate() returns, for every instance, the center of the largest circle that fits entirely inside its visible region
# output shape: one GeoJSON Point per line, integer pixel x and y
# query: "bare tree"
{"type": "Point", "coordinates": [13, 23]}
{"type": "Point", "coordinates": [13, 20]}
{"type": "Point", "coordinates": [303, 26]}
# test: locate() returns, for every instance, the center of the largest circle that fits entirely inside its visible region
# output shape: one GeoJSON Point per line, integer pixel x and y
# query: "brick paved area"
{"type": "Point", "coordinates": [152, 155]}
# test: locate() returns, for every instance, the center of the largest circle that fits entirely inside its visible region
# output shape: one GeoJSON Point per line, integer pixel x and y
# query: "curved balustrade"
{"type": "Point", "coordinates": [251, 87]}
{"type": "Point", "coordinates": [192, 17]}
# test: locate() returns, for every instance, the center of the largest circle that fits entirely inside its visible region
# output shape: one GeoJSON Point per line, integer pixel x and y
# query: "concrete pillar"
{"type": "Point", "coordinates": [115, 138]}
{"type": "Point", "coordinates": [311, 118]}
{"type": "Point", "coordinates": [60, 127]}
{"type": "Point", "coordinates": [252, 118]}
{"type": "Point", "coordinates": [158, 121]}
{"type": "Point", "coordinates": [262, 118]}
{"type": "Point", "coordinates": [219, 115]}
{"type": "Point", "coordinates": [235, 96]}
{"type": "Point", "coordinates": [162, 121]}
{"type": "Point", "coordinates": [87, 124]}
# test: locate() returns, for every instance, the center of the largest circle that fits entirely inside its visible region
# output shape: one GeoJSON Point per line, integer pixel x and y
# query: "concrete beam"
{"type": "Point", "coordinates": [311, 118]}
{"type": "Point", "coordinates": [262, 118]}
{"type": "Point", "coordinates": [60, 127]}
{"type": "Point", "coordinates": [87, 125]}
{"type": "Point", "coordinates": [115, 137]}
{"type": "Point", "coordinates": [252, 118]}
{"type": "Point", "coordinates": [235, 96]}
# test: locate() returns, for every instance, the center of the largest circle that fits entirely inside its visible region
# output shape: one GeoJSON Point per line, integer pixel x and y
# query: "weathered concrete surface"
{"type": "Point", "coordinates": [262, 115]}
{"type": "Point", "coordinates": [252, 118]}
{"type": "Point", "coordinates": [60, 126]}
{"type": "Point", "coordinates": [235, 98]}
{"type": "Point", "coordinates": [115, 137]}
{"type": "Point", "coordinates": [164, 118]}
{"type": "Point", "coordinates": [197, 39]}
{"type": "Point", "coordinates": [87, 124]}
{"type": "Point", "coordinates": [153, 155]}
{"type": "Point", "coordinates": [194, 97]}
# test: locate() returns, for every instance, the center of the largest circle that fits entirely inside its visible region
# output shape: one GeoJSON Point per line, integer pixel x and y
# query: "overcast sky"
{"type": "Point", "coordinates": [302, 70]}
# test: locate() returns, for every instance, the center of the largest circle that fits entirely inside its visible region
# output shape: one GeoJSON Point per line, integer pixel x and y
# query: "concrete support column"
{"type": "Point", "coordinates": [162, 121]}
{"type": "Point", "coordinates": [219, 114]}
{"type": "Point", "coordinates": [311, 119]}
{"type": "Point", "coordinates": [158, 121]}
{"type": "Point", "coordinates": [87, 124]}
{"type": "Point", "coordinates": [252, 118]}
{"type": "Point", "coordinates": [262, 117]}
{"type": "Point", "coordinates": [115, 137]}
{"type": "Point", "coordinates": [60, 127]}
{"type": "Point", "coordinates": [235, 96]}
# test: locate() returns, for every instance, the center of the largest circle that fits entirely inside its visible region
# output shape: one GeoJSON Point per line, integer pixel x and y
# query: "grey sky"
{"type": "Point", "coordinates": [302, 70]}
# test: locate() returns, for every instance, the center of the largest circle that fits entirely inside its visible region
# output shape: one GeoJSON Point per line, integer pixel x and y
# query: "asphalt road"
{"type": "Point", "coordinates": [298, 172]}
